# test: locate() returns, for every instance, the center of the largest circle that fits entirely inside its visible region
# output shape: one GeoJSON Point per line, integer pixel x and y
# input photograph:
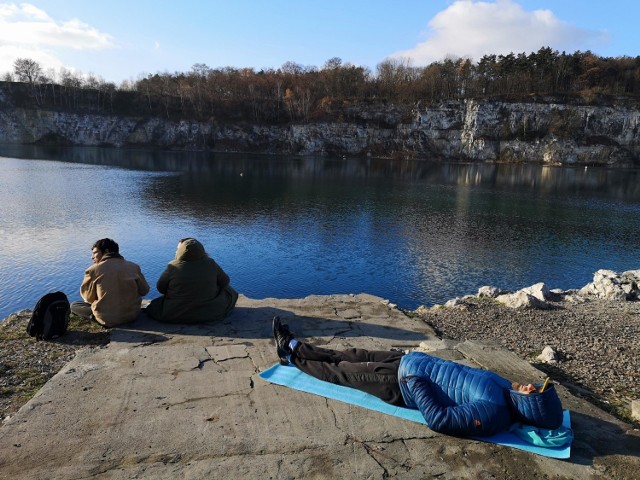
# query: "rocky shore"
{"type": "Point", "coordinates": [597, 343]}
{"type": "Point", "coordinates": [588, 339]}
{"type": "Point", "coordinates": [107, 412]}
{"type": "Point", "coordinates": [593, 335]}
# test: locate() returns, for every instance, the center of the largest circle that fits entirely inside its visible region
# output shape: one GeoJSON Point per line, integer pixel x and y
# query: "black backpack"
{"type": "Point", "coordinates": [50, 317]}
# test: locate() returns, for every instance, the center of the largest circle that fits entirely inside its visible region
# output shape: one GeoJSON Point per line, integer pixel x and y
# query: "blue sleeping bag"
{"type": "Point", "coordinates": [459, 400]}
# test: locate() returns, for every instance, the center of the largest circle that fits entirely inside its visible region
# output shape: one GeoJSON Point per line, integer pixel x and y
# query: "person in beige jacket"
{"type": "Point", "coordinates": [112, 288]}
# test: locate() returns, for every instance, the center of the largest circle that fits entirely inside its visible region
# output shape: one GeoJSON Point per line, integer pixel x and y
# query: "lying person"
{"type": "Point", "coordinates": [453, 398]}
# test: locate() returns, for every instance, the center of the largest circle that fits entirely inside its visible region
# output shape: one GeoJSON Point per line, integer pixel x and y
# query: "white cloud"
{"type": "Point", "coordinates": [31, 11]}
{"type": "Point", "coordinates": [471, 28]}
{"type": "Point", "coordinates": [9, 53]}
{"type": "Point", "coordinates": [27, 31]}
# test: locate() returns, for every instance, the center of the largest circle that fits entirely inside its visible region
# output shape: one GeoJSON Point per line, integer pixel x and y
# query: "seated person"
{"type": "Point", "coordinates": [112, 288]}
{"type": "Point", "coordinates": [195, 289]}
{"type": "Point", "coordinates": [453, 398]}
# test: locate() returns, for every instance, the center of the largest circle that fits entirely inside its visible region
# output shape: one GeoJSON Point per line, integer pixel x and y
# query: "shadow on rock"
{"type": "Point", "coordinates": [255, 323]}
{"type": "Point", "coordinates": [79, 337]}
{"type": "Point", "coordinates": [593, 437]}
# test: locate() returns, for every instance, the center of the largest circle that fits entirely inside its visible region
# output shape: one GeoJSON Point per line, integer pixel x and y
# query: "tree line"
{"type": "Point", "coordinates": [296, 93]}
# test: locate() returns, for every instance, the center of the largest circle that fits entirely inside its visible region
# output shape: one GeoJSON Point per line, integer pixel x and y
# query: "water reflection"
{"type": "Point", "coordinates": [611, 183]}
{"type": "Point", "coordinates": [413, 232]}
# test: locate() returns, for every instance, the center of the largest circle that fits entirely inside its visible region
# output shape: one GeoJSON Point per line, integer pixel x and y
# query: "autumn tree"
{"type": "Point", "coordinates": [292, 68]}
{"type": "Point", "coordinates": [395, 76]}
{"type": "Point", "coordinates": [198, 78]}
{"type": "Point", "coordinates": [295, 92]}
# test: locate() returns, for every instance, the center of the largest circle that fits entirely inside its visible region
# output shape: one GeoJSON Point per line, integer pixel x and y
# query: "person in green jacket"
{"type": "Point", "coordinates": [195, 288]}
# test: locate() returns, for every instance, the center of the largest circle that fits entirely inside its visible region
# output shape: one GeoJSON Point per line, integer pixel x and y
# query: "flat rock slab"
{"type": "Point", "coordinates": [175, 401]}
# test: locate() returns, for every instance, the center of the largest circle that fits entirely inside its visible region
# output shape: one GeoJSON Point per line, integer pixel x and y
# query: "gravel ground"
{"type": "Point", "coordinates": [26, 364]}
{"type": "Point", "coordinates": [598, 342]}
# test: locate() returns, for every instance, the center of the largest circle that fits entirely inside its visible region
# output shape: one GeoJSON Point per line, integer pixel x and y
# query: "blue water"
{"type": "Point", "coordinates": [414, 232]}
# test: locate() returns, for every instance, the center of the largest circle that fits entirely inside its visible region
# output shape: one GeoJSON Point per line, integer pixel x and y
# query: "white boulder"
{"type": "Point", "coordinates": [539, 290]}
{"type": "Point", "coordinates": [611, 285]}
{"type": "Point", "coordinates": [487, 291]}
{"type": "Point", "coordinates": [521, 299]}
{"type": "Point", "coordinates": [548, 355]}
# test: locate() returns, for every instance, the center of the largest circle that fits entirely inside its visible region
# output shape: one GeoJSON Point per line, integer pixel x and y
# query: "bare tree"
{"type": "Point", "coordinates": [127, 85]}
{"type": "Point", "coordinates": [395, 75]}
{"type": "Point", "coordinates": [108, 89]}
{"type": "Point", "coordinates": [27, 70]}
{"type": "Point", "coordinates": [332, 63]}
{"type": "Point", "coordinates": [292, 68]}
{"type": "Point", "coordinates": [71, 83]}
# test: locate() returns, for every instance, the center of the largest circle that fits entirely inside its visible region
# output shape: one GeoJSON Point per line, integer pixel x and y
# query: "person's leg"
{"type": "Point", "coordinates": [155, 307]}
{"type": "Point", "coordinates": [233, 298]}
{"type": "Point", "coordinates": [375, 372]}
{"type": "Point", "coordinates": [312, 352]}
{"type": "Point", "coordinates": [83, 310]}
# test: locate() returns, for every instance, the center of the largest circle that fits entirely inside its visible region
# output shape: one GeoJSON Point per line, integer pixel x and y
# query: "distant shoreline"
{"type": "Point", "coordinates": [479, 131]}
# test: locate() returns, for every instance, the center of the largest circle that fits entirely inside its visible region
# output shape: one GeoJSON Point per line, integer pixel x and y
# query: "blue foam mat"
{"type": "Point", "coordinates": [290, 376]}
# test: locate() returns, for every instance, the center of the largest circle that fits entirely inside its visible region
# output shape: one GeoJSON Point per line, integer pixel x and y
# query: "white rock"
{"type": "Point", "coordinates": [575, 298]}
{"type": "Point", "coordinates": [548, 355]}
{"type": "Point", "coordinates": [422, 310]}
{"type": "Point", "coordinates": [631, 276]}
{"type": "Point", "coordinates": [488, 291]}
{"type": "Point", "coordinates": [454, 302]}
{"type": "Point", "coordinates": [521, 300]}
{"type": "Point", "coordinates": [539, 290]}
{"type": "Point", "coordinates": [608, 284]}
{"type": "Point", "coordinates": [635, 409]}
{"type": "Point", "coordinates": [602, 273]}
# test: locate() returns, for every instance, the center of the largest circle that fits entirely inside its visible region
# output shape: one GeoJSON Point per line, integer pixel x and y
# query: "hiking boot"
{"type": "Point", "coordinates": [282, 335]}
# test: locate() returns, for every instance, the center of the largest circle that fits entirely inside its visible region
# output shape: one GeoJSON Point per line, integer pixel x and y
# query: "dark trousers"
{"type": "Point", "coordinates": [83, 310]}
{"type": "Point", "coordinates": [375, 372]}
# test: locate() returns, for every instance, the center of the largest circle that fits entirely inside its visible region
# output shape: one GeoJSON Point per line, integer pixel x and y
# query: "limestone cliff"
{"type": "Point", "coordinates": [483, 131]}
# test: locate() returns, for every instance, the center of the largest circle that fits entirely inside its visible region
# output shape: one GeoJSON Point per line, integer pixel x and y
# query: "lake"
{"type": "Point", "coordinates": [413, 232]}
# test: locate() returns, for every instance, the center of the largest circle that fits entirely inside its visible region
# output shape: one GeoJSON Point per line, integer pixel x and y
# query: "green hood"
{"type": "Point", "coordinates": [190, 250]}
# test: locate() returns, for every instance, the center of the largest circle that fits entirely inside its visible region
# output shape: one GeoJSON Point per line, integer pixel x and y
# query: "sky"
{"type": "Point", "coordinates": [120, 40]}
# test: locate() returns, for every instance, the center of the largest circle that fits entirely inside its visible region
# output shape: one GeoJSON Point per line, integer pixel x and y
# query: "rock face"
{"type": "Point", "coordinates": [486, 131]}
{"type": "Point", "coordinates": [547, 133]}
{"type": "Point", "coordinates": [42, 127]}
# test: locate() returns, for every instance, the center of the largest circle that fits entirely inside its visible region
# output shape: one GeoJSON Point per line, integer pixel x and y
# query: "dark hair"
{"type": "Point", "coordinates": [106, 244]}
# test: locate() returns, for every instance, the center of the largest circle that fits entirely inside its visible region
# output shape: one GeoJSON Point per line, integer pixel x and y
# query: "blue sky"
{"type": "Point", "coordinates": [122, 40]}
